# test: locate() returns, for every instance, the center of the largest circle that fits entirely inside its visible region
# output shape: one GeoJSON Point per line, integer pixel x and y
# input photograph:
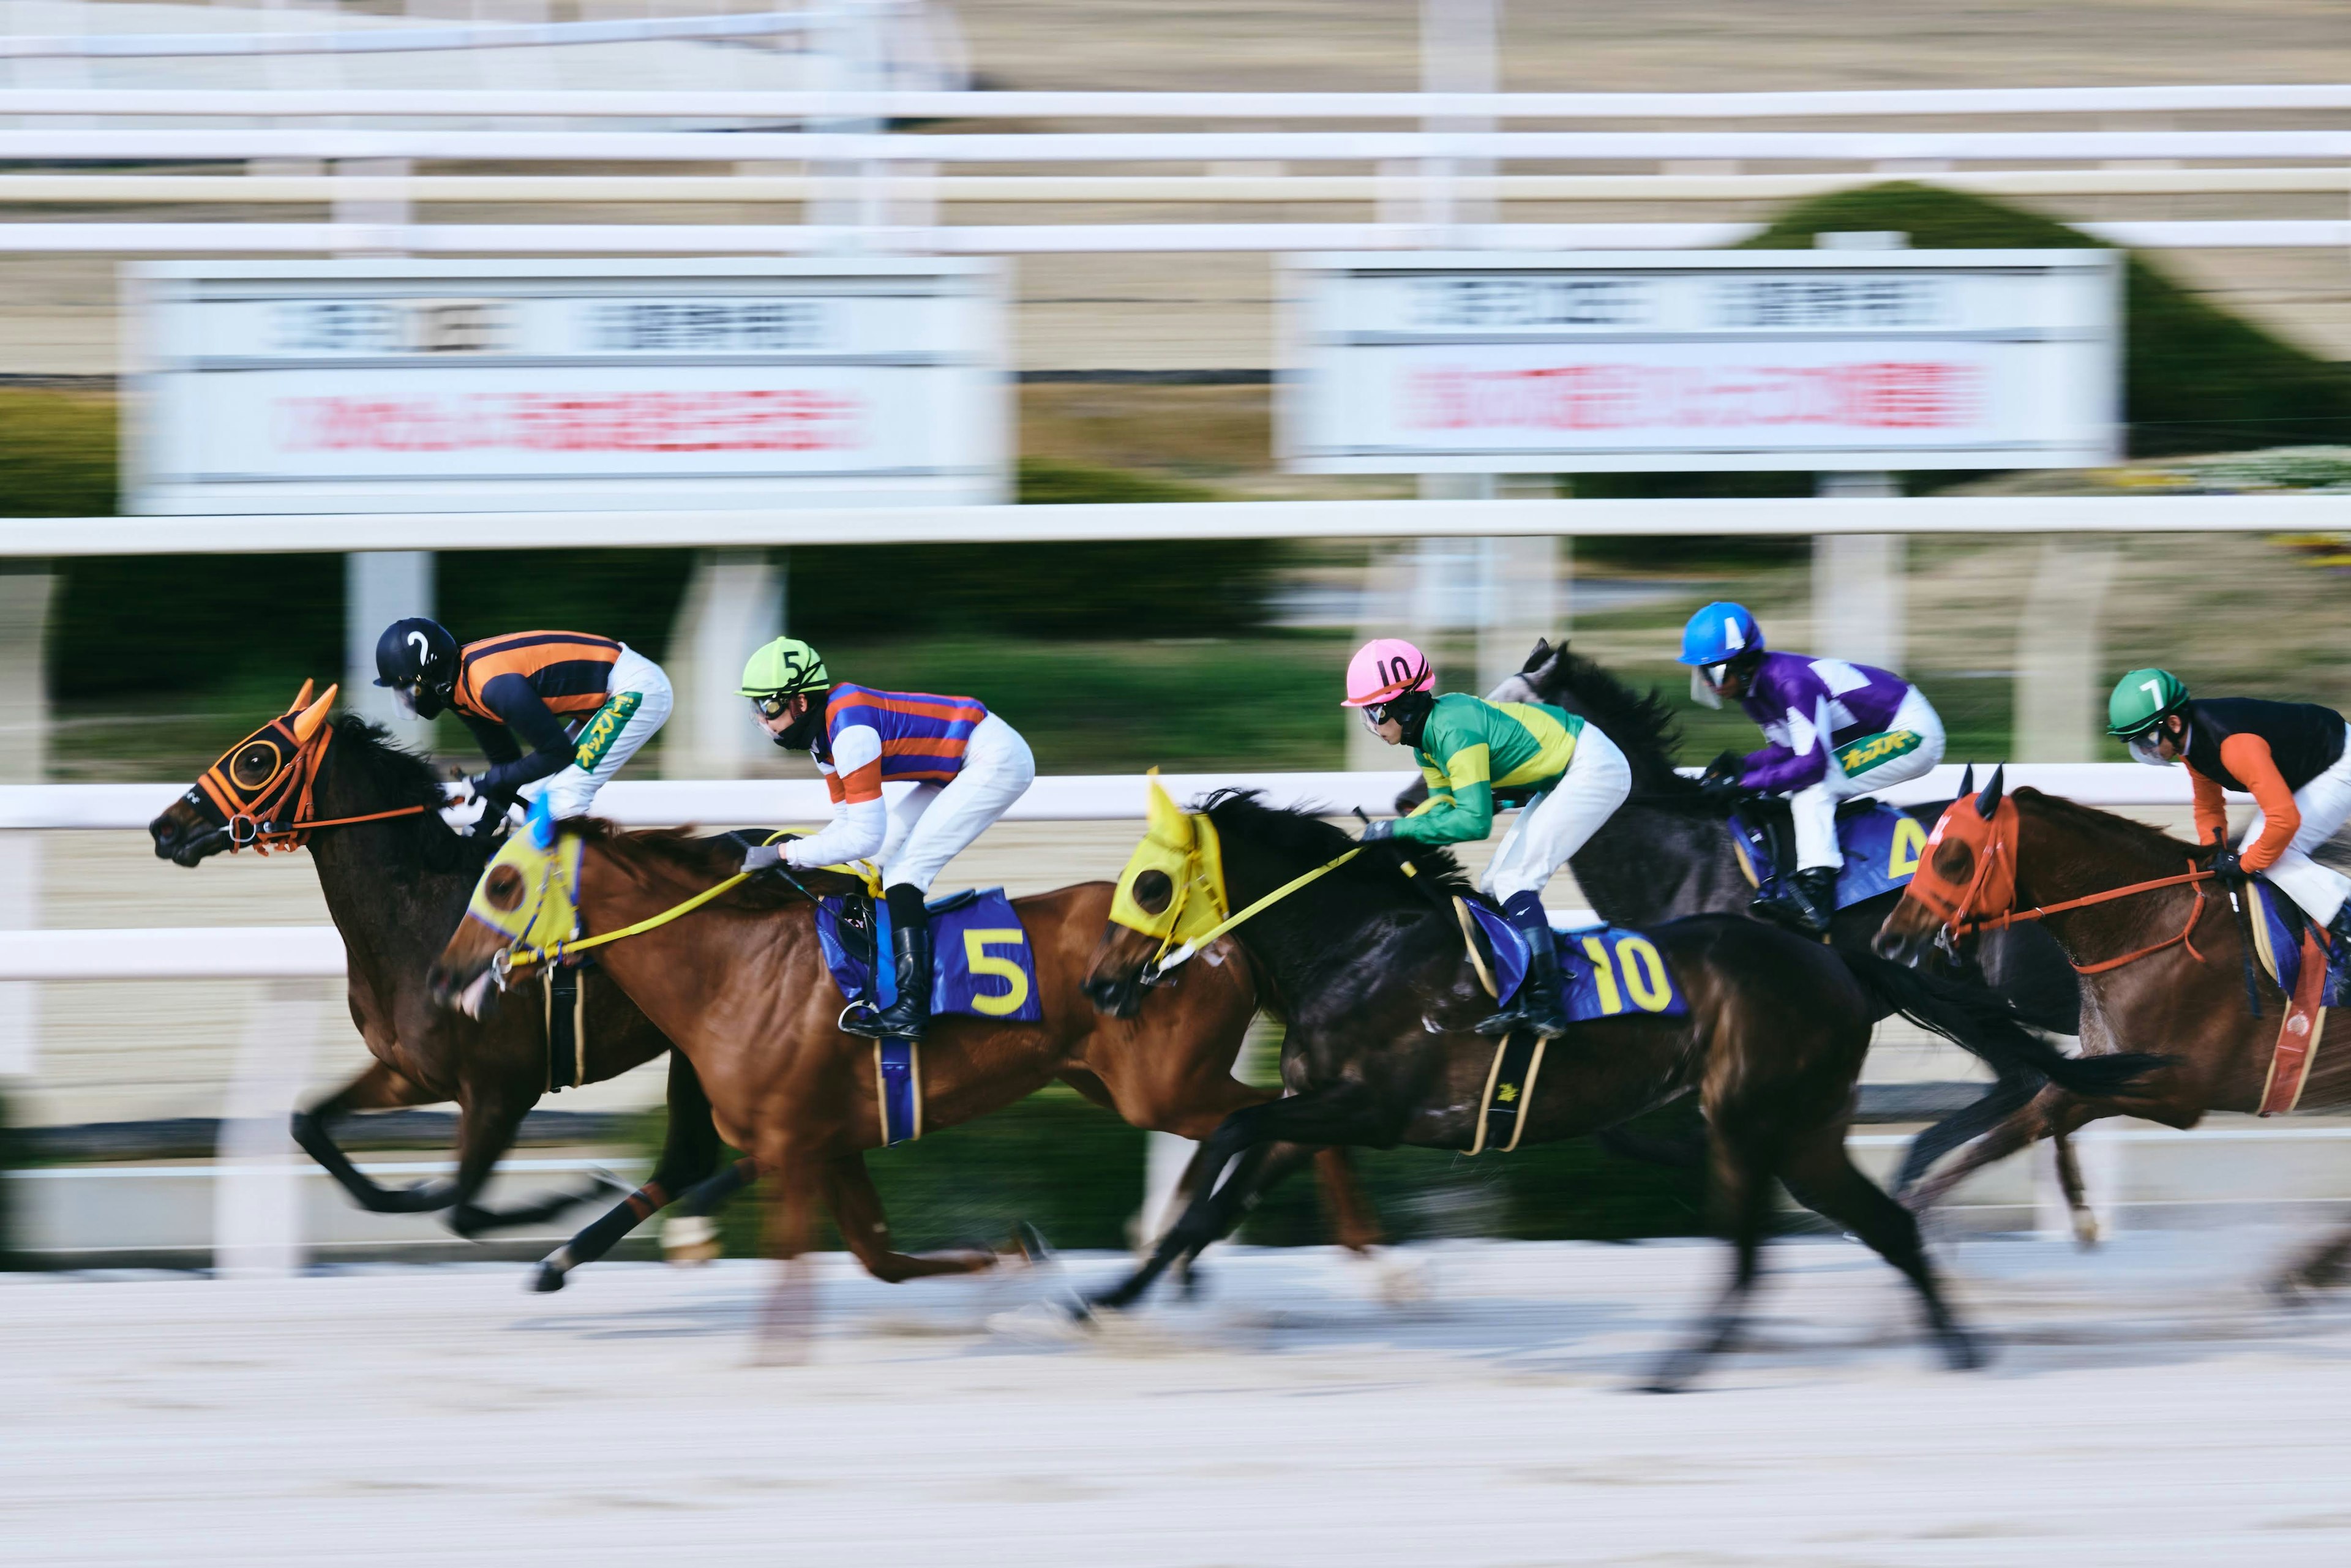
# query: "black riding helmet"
{"type": "Point", "coordinates": [417, 658]}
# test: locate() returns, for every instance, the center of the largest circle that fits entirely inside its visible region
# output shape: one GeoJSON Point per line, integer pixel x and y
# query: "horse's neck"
{"type": "Point", "coordinates": [2054, 866]}
{"type": "Point", "coordinates": [377, 889]}
{"type": "Point", "coordinates": [1646, 865]}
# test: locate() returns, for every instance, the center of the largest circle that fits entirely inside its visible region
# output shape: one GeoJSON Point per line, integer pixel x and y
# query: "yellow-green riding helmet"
{"type": "Point", "coordinates": [784, 668]}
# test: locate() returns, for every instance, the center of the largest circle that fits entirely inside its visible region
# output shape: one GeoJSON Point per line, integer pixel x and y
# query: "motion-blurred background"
{"type": "Point", "coordinates": [1147, 318]}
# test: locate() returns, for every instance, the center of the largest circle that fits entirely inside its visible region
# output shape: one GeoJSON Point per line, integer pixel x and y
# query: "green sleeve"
{"type": "Point", "coordinates": [1460, 808]}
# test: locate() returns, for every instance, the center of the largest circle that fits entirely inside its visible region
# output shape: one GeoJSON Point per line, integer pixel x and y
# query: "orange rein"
{"type": "Point", "coordinates": [2014, 916]}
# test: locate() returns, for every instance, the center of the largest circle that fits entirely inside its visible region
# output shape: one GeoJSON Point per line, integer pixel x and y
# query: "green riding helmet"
{"type": "Point", "coordinates": [784, 668]}
{"type": "Point", "coordinates": [2143, 699]}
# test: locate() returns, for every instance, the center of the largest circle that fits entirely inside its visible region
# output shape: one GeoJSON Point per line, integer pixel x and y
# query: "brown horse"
{"type": "Point", "coordinates": [741, 986]}
{"type": "Point", "coordinates": [2163, 962]}
{"type": "Point", "coordinates": [396, 881]}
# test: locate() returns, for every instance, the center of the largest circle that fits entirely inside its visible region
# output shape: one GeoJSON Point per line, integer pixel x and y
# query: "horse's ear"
{"type": "Point", "coordinates": [1539, 658]}
{"type": "Point", "coordinates": [301, 699]}
{"type": "Point", "coordinates": [1168, 822]}
{"type": "Point", "coordinates": [1989, 801]}
{"type": "Point", "coordinates": [307, 723]}
{"type": "Point", "coordinates": [1967, 780]}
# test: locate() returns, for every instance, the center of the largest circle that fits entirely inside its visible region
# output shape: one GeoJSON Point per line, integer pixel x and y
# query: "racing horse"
{"type": "Point", "coordinates": [2164, 962]}
{"type": "Point", "coordinates": [1667, 853]}
{"type": "Point", "coordinates": [1362, 950]}
{"type": "Point", "coordinates": [396, 879]}
{"type": "Point", "coordinates": [742, 986]}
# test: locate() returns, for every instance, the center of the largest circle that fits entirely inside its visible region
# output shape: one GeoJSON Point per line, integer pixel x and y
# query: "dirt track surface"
{"type": "Point", "coordinates": [2145, 1408]}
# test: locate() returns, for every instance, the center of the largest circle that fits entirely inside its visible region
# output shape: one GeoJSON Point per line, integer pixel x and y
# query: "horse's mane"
{"type": "Point", "coordinates": [1435, 874]}
{"type": "Point", "coordinates": [645, 853]}
{"type": "Point", "coordinates": [390, 766]}
{"type": "Point", "coordinates": [1642, 723]}
{"type": "Point", "coordinates": [2121, 832]}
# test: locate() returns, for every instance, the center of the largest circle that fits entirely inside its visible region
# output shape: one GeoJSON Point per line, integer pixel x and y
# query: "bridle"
{"type": "Point", "coordinates": [276, 813]}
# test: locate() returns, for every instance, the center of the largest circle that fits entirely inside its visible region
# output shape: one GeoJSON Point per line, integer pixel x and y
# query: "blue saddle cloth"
{"type": "Point", "coordinates": [2277, 938]}
{"type": "Point", "coordinates": [983, 969]}
{"type": "Point", "coordinates": [1611, 969]}
{"type": "Point", "coordinates": [1881, 845]}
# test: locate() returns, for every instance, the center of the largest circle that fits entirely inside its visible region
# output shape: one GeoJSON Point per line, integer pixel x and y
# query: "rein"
{"type": "Point", "coordinates": [2040, 912]}
{"type": "Point", "coordinates": [1160, 965]}
{"type": "Point", "coordinates": [517, 958]}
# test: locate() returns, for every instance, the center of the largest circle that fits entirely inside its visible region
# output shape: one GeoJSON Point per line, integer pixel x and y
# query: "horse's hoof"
{"type": "Point", "coordinates": [2087, 1231]}
{"type": "Point", "coordinates": [547, 1277]}
{"type": "Point", "coordinates": [1962, 1351]}
{"type": "Point", "coordinates": [689, 1239]}
{"type": "Point", "coordinates": [1029, 1244]}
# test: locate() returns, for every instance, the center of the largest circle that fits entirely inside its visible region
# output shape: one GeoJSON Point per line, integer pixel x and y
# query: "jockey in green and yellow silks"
{"type": "Point", "coordinates": [1565, 775]}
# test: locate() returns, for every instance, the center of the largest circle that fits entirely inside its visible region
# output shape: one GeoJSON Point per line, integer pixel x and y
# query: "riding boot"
{"type": "Point", "coordinates": [910, 953]}
{"type": "Point", "coordinates": [1804, 902]}
{"type": "Point", "coordinates": [1539, 1003]}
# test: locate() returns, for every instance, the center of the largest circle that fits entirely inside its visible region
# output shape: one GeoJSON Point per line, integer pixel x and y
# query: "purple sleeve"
{"type": "Point", "coordinates": [1784, 689]}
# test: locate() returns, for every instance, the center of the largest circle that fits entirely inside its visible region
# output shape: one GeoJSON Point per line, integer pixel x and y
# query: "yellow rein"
{"type": "Point", "coordinates": [516, 959]}
{"type": "Point", "coordinates": [1159, 966]}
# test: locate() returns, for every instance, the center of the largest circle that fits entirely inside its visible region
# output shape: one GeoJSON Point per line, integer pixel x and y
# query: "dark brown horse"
{"type": "Point", "coordinates": [396, 881]}
{"type": "Point", "coordinates": [1368, 967]}
{"type": "Point", "coordinates": [2182, 995]}
{"type": "Point", "coordinates": [741, 986]}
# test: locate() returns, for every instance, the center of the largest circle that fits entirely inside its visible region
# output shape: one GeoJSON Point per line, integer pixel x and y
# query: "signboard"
{"type": "Point", "coordinates": [404, 385]}
{"type": "Point", "coordinates": [1828, 360]}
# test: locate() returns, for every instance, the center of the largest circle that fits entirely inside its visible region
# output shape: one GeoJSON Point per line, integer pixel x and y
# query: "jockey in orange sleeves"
{"type": "Point", "coordinates": [2293, 758]}
{"type": "Point", "coordinates": [582, 706]}
{"type": "Point", "coordinates": [967, 766]}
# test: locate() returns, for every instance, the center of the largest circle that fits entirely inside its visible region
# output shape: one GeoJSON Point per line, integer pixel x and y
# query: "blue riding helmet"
{"type": "Point", "coordinates": [1719, 633]}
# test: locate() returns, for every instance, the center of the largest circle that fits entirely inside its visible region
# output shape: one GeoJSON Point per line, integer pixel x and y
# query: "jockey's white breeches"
{"type": "Point", "coordinates": [932, 824]}
{"type": "Point", "coordinates": [1815, 806]}
{"type": "Point", "coordinates": [1554, 826]}
{"type": "Point", "coordinates": [571, 791]}
{"type": "Point", "coordinates": [2325, 805]}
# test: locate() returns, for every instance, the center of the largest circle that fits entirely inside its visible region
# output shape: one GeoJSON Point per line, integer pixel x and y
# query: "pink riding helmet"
{"type": "Point", "coordinates": [1384, 669]}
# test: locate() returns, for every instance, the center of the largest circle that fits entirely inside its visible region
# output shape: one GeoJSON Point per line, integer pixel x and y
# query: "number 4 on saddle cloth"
{"type": "Point", "coordinates": [984, 969]}
{"type": "Point", "coordinates": [1881, 846]}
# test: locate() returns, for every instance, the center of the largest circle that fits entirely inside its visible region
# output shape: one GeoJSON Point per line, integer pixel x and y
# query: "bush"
{"type": "Point", "coordinates": [57, 454]}
{"type": "Point", "coordinates": [2195, 378]}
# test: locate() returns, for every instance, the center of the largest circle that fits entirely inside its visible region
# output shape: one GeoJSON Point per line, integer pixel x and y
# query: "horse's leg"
{"type": "Point", "coordinates": [1743, 1193]}
{"type": "Point", "coordinates": [2316, 1269]}
{"type": "Point", "coordinates": [2069, 1178]}
{"type": "Point", "coordinates": [1340, 1113]}
{"type": "Point", "coordinates": [689, 1236]}
{"type": "Point", "coordinates": [1822, 1178]}
{"type": "Point", "coordinates": [857, 1210]}
{"type": "Point", "coordinates": [488, 1121]}
{"type": "Point", "coordinates": [688, 1152]}
{"type": "Point", "coordinates": [378, 1088]}
{"type": "Point", "coordinates": [789, 1315]}
{"type": "Point", "coordinates": [1353, 1217]}
{"type": "Point", "coordinates": [2010, 1093]}
{"type": "Point", "coordinates": [2019, 1129]}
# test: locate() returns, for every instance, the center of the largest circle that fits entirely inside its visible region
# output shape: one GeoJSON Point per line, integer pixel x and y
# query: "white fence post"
{"type": "Point", "coordinates": [257, 1197]}
{"type": "Point", "coordinates": [381, 587]}
{"type": "Point", "coordinates": [2059, 678]}
{"type": "Point", "coordinates": [24, 598]}
{"type": "Point", "coordinates": [734, 603]}
{"type": "Point", "coordinates": [1858, 588]}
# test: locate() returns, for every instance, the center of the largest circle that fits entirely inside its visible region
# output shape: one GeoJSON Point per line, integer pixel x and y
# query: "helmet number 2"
{"type": "Point", "coordinates": [424, 646]}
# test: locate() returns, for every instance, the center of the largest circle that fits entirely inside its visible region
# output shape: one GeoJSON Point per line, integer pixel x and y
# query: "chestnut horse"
{"type": "Point", "coordinates": [2163, 969]}
{"type": "Point", "coordinates": [1361, 951]}
{"type": "Point", "coordinates": [396, 881]}
{"type": "Point", "coordinates": [741, 986]}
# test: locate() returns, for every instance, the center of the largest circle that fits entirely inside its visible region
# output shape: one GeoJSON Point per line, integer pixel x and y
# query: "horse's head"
{"type": "Point", "coordinates": [1966, 871]}
{"type": "Point", "coordinates": [1172, 891]}
{"type": "Point", "coordinates": [526, 905]}
{"type": "Point", "coordinates": [251, 793]}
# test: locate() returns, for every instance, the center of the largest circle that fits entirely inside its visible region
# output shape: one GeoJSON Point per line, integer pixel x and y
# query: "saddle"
{"type": "Point", "coordinates": [1881, 843]}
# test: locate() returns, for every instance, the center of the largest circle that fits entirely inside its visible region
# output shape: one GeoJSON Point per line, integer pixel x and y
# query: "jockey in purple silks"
{"type": "Point", "coordinates": [1837, 730]}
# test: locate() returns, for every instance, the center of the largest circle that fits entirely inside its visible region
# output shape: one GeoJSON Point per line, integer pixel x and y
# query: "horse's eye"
{"type": "Point", "coordinates": [253, 766]}
{"type": "Point", "coordinates": [1153, 889]}
{"type": "Point", "coordinates": [505, 888]}
{"type": "Point", "coordinates": [1955, 861]}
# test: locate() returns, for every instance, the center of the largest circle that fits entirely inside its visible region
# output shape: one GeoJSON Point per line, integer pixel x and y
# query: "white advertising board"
{"type": "Point", "coordinates": [1829, 360]}
{"type": "Point", "coordinates": [404, 385]}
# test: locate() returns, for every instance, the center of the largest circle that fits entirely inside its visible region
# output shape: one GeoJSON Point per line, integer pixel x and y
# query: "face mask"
{"type": "Point", "coordinates": [405, 698]}
{"type": "Point", "coordinates": [1702, 694]}
{"type": "Point", "coordinates": [2143, 750]}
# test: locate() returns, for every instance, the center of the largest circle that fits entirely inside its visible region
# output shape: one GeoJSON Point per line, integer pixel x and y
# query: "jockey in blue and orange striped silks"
{"type": "Point", "coordinates": [966, 766]}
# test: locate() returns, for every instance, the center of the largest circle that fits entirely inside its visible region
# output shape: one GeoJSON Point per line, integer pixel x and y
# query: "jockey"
{"type": "Point", "coordinates": [967, 766]}
{"type": "Point", "coordinates": [2292, 757]}
{"type": "Point", "coordinates": [1567, 777]}
{"type": "Point", "coordinates": [1837, 730]}
{"type": "Point", "coordinates": [583, 706]}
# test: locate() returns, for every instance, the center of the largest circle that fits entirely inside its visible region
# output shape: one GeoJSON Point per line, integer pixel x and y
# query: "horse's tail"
{"type": "Point", "coordinates": [1982, 1022]}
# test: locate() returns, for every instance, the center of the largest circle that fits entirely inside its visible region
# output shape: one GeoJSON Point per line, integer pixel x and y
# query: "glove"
{"type": "Point", "coordinates": [2228, 866]}
{"type": "Point", "coordinates": [1721, 793]}
{"type": "Point", "coordinates": [1726, 765]}
{"type": "Point", "coordinates": [762, 857]}
{"type": "Point", "coordinates": [465, 807]}
{"type": "Point", "coordinates": [1373, 831]}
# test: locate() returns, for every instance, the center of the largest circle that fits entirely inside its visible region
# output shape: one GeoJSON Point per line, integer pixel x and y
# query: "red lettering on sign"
{"type": "Point", "coordinates": [1923, 395]}
{"type": "Point", "coordinates": [754, 420]}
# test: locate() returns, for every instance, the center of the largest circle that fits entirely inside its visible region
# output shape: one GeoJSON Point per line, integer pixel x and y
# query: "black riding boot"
{"type": "Point", "coordinates": [1539, 1003]}
{"type": "Point", "coordinates": [1805, 901]}
{"type": "Point", "coordinates": [910, 953]}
